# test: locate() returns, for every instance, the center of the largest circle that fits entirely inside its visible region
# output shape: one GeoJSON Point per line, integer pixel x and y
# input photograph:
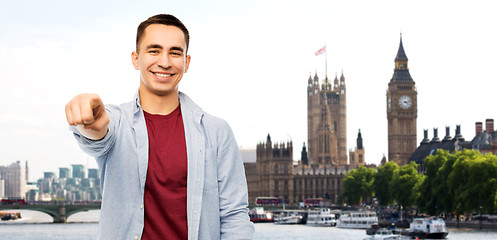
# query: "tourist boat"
{"type": "Point", "coordinates": [258, 214]}
{"type": "Point", "coordinates": [290, 217]}
{"type": "Point", "coordinates": [385, 234]}
{"type": "Point", "coordinates": [359, 219]}
{"type": "Point", "coordinates": [321, 217]}
{"type": "Point", "coordinates": [429, 227]}
{"type": "Point", "coordinates": [4, 216]}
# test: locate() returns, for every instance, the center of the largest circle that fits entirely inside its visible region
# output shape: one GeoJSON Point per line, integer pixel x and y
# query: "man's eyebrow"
{"type": "Point", "coordinates": [154, 45]}
{"type": "Point", "coordinates": [177, 49]}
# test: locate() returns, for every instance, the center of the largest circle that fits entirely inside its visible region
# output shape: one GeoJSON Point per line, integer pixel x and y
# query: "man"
{"type": "Point", "coordinates": [168, 169]}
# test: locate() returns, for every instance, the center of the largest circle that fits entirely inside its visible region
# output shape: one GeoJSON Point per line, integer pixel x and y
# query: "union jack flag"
{"type": "Point", "coordinates": [320, 51]}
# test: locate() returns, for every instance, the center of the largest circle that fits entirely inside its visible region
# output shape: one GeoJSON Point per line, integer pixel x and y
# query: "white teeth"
{"type": "Point", "coordinates": [162, 75]}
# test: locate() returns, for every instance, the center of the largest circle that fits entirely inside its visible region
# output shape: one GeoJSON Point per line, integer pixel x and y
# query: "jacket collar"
{"type": "Point", "coordinates": [187, 106]}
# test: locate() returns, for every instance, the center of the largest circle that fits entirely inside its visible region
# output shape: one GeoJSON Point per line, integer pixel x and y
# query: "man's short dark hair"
{"type": "Point", "coordinates": [165, 19]}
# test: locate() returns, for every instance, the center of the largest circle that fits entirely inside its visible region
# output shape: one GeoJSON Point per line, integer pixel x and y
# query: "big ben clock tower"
{"type": "Point", "coordinates": [402, 111]}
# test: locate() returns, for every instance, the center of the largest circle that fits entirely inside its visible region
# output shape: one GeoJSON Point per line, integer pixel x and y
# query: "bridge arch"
{"type": "Point", "coordinates": [59, 211]}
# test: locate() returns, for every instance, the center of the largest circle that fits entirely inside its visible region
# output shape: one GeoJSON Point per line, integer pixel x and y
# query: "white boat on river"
{"type": "Point", "coordinates": [357, 219]}
{"type": "Point", "coordinates": [385, 234]}
{"type": "Point", "coordinates": [290, 217]}
{"type": "Point", "coordinates": [429, 227]}
{"type": "Point", "coordinates": [321, 217]}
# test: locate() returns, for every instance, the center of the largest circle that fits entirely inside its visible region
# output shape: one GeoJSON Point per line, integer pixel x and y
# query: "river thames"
{"type": "Point", "coordinates": [84, 226]}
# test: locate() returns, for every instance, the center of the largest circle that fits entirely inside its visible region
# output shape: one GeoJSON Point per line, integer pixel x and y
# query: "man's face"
{"type": "Point", "coordinates": [161, 59]}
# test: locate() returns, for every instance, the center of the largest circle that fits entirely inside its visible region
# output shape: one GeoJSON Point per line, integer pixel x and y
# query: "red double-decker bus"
{"type": "Point", "coordinates": [274, 201]}
{"type": "Point", "coordinates": [313, 202]}
{"type": "Point", "coordinates": [13, 201]}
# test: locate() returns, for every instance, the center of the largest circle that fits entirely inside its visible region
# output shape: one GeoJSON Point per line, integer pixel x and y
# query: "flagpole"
{"type": "Point", "coordinates": [325, 61]}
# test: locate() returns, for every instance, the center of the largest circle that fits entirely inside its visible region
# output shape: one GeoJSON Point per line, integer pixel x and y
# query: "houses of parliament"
{"type": "Point", "coordinates": [324, 160]}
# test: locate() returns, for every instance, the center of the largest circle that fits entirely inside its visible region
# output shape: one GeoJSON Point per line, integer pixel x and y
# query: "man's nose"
{"type": "Point", "coordinates": [164, 61]}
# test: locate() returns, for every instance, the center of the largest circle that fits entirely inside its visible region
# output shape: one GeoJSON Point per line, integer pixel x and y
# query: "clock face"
{"type": "Point", "coordinates": [405, 102]}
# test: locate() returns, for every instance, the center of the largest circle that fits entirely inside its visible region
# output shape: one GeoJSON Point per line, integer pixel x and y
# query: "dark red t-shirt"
{"type": "Point", "coordinates": [165, 187]}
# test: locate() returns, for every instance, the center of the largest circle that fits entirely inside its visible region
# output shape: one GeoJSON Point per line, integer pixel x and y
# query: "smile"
{"type": "Point", "coordinates": [163, 74]}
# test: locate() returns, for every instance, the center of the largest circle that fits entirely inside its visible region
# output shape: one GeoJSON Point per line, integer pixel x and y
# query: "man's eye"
{"type": "Point", "coordinates": [176, 53]}
{"type": "Point", "coordinates": [153, 51]}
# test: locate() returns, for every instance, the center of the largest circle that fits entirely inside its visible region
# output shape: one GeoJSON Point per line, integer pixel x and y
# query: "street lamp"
{"type": "Point", "coordinates": [480, 215]}
{"type": "Point", "coordinates": [401, 220]}
{"type": "Point", "coordinates": [457, 212]}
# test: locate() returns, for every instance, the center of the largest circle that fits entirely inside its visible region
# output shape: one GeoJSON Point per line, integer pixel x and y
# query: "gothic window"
{"type": "Point", "coordinates": [335, 125]}
{"type": "Point", "coordinates": [326, 143]}
{"type": "Point", "coordinates": [276, 169]}
{"type": "Point", "coordinates": [276, 185]}
{"type": "Point", "coordinates": [320, 143]}
{"type": "Point", "coordinates": [285, 186]}
{"type": "Point", "coordinates": [285, 168]}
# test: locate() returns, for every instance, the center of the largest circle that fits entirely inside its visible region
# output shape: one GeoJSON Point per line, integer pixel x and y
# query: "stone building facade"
{"type": "Point", "coordinates": [274, 174]}
{"type": "Point", "coordinates": [327, 122]}
{"type": "Point", "coordinates": [402, 111]}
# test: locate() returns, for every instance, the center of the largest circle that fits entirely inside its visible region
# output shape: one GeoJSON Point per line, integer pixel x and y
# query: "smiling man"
{"type": "Point", "coordinates": [168, 169]}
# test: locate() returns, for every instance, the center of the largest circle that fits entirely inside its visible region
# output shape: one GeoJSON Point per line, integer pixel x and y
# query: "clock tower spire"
{"type": "Point", "coordinates": [402, 111]}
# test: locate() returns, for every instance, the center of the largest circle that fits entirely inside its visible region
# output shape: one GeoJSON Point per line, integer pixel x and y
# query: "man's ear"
{"type": "Point", "coordinates": [187, 62]}
{"type": "Point", "coordinates": [134, 59]}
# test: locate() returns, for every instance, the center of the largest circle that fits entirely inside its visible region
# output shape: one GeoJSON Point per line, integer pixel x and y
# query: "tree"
{"type": "Point", "coordinates": [440, 189]}
{"type": "Point", "coordinates": [382, 181]}
{"type": "Point", "coordinates": [358, 185]}
{"type": "Point", "coordinates": [433, 193]}
{"type": "Point", "coordinates": [403, 182]}
{"type": "Point", "coordinates": [474, 181]}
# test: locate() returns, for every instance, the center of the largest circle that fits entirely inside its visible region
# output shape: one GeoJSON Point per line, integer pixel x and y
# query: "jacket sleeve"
{"type": "Point", "coordinates": [233, 195]}
{"type": "Point", "coordinates": [100, 147]}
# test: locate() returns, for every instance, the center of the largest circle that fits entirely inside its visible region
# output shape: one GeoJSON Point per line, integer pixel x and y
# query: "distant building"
{"type": "Point", "coordinates": [64, 173]}
{"type": "Point", "coordinates": [2, 187]}
{"type": "Point", "coordinates": [78, 171]}
{"type": "Point", "coordinates": [32, 191]}
{"type": "Point", "coordinates": [14, 178]}
{"type": "Point", "coordinates": [402, 111]}
{"type": "Point", "coordinates": [248, 155]}
{"type": "Point", "coordinates": [428, 147]}
{"type": "Point", "coordinates": [327, 122]}
{"type": "Point", "coordinates": [274, 174]}
{"type": "Point", "coordinates": [47, 184]}
{"type": "Point", "coordinates": [93, 173]}
{"type": "Point", "coordinates": [485, 141]}
{"type": "Point", "coordinates": [356, 157]}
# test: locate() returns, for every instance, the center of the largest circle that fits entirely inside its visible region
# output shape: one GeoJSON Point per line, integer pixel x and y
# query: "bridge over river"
{"type": "Point", "coordinates": [59, 211]}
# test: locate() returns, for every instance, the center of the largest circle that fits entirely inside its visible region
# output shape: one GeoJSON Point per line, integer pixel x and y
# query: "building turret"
{"type": "Point", "coordinates": [335, 82]}
{"type": "Point", "coordinates": [435, 135]}
{"type": "Point", "coordinates": [342, 80]}
{"type": "Point", "coordinates": [304, 159]}
{"type": "Point", "coordinates": [458, 135]}
{"type": "Point", "coordinates": [425, 139]}
{"type": "Point", "coordinates": [326, 83]}
{"type": "Point", "coordinates": [356, 157]}
{"type": "Point", "coordinates": [447, 134]}
{"type": "Point", "coordinates": [359, 140]}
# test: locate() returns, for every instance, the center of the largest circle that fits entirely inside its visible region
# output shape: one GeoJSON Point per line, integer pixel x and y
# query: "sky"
{"type": "Point", "coordinates": [250, 64]}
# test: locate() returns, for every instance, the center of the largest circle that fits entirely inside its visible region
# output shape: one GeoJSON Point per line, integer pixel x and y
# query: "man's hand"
{"type": "Point", "coordinates": [87, 113]}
